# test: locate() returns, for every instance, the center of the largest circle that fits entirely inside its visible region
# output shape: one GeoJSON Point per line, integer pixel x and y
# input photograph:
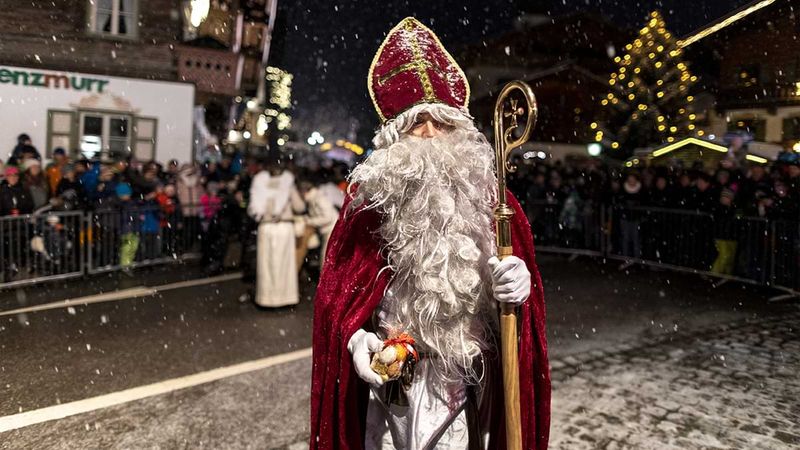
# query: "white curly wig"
{"type": "Point", "coordinates": [436, 197]}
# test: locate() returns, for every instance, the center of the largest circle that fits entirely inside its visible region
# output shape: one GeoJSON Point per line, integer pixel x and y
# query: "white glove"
{"type": "Point", "coordinates": [511, 280]}
{"type": "Point", "coordinates": [361, 344]}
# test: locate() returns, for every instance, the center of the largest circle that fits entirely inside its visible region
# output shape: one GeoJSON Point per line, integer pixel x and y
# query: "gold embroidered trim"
{"type": "Point", "coordinates": [419, 63]}
{"type": "Point", "coordinates": [407, 66]}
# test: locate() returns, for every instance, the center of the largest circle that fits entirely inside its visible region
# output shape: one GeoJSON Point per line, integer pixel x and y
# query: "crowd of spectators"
{"type": "Point", "coordinates": [755, 190]}
{"type": "Point", "coordinates": [141, 210]}
{"type": "Point", "coordinates": [645, 209]}
{"type": "Point", "coordinates": [697, 217]}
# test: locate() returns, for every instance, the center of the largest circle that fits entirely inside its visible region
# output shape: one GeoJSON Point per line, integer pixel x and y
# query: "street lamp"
{"type": "Point", "coordinates": [233, 136]}
{"type": "Point", "coordinates": [594, 149]}
{"type": "Point", "coordinates": [315, 138]}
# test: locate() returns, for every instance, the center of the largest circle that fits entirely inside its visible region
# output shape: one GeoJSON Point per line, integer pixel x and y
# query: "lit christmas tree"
{"type": "Point", "coordinates": [649, 100]}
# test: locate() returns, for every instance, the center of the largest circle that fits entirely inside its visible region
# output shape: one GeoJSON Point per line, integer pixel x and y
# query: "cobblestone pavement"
{"type": "Point", "coordinates": [734, 386]}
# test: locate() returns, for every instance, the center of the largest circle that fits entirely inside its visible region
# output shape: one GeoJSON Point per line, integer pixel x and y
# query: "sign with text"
{"type": "Point", "coordinates": [50, 80]}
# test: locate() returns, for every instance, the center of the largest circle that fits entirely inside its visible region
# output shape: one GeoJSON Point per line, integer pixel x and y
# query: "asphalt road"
{"type": "Point", "coordinates": [62, 355]}
{"type": "Point", "coordinates": [67, 354]}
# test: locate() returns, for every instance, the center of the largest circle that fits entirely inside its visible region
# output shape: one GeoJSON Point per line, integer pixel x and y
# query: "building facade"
{"type": "Point", "coordinates": [127, 77]}
{"type": "Point", "coordinates": [565, 59]}
{"type": "Point", "coordinates": [757, 72]}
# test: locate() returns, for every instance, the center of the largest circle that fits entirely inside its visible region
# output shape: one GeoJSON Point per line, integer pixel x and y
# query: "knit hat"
{"type": "Point", "coordinates": [124, 190]}
{"type": "Point", "coordinates": [12, 170]}
{"type": "Point", "coordinates": [727, 193]}
{"type": "Point", "coordinates": [30, 162]}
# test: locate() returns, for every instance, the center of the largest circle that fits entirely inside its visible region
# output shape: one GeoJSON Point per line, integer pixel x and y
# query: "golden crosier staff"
{"type": "Point", "coordinates": [504, 144]}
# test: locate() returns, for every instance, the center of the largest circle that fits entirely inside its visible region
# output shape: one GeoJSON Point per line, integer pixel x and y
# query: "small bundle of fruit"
{"type": "Point", "coordinates": [398, 354]}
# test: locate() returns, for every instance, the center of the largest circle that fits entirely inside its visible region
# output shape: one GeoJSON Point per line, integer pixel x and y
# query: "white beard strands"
{"type": "Point", "coordinates": [436, 196]}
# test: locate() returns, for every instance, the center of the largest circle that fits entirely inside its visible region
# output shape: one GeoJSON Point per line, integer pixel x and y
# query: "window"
{"type": "Point", "coordinates": [791, 129]}
{"type": "Point", "coordinates": [749, 75]}
{"type": "Point", "coordinates": [108, 134]}
{"type": "Point", "coordinates": [144, 143]}
{"type": "Point", "coordinates": [113, 17]}
{"type": "Point", "coordinates": [60, 125]}
{"type": "Point", "coordinates": [757, 128]}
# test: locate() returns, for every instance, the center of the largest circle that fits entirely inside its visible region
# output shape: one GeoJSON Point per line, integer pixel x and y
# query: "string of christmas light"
{"type": "Point", "coordinates": [280, 95]}
{"type": "Point", "coordinates": [649, 100]}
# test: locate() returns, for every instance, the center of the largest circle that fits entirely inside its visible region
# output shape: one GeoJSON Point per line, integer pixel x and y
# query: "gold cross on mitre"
{"type": "Point", "coordinates": [418, 64]}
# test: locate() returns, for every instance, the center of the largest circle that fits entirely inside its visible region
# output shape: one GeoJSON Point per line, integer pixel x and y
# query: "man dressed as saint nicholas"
{"type": "Point", "coordinates": [406, 333]}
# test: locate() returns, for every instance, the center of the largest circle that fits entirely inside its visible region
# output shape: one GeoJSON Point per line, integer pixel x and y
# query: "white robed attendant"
{"type": "Point", "coordinates": [322, 215]}
{"type": "Point", "coordinates": [273, 200]}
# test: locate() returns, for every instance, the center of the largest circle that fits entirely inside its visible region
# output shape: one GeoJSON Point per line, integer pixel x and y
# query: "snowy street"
{"type": "Point", "coordinates": [207, 204]}
{"type": "Point", "coordinates": [724, 387]}
{"type": "Point", "coordinates": [635, 363]}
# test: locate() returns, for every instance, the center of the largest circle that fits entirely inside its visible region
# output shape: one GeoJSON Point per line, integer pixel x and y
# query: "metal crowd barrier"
{"type": "Point", "coordinates": [786, 257]}
{"type": "Point", "coordinates": [579, 229]}
{"type": "Point", "coordinates": [748, 249]}
{"type": "Point", "coordinates": [141, 236]}
{"type": "Point", "coordinates": [59, 245]}
{"type": "Point", "coordinates": [41, 246]}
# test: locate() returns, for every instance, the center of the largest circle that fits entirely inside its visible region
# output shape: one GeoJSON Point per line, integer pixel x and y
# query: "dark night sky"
{"type": "Point", "coordinates": [328, 45]}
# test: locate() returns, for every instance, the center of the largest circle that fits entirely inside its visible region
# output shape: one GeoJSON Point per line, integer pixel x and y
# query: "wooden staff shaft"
{"type": "Point", "coordinates": [508, 335]}
{"type": "Point", "coordinates": [508, 339]}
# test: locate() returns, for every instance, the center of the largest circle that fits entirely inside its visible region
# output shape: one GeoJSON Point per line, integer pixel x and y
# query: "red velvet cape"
{"type": "Point", "coordinates": [350, 288]}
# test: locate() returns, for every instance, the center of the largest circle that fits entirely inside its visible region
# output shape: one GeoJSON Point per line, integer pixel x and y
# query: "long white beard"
{"type": "Point", "coordinates": [436, 198]}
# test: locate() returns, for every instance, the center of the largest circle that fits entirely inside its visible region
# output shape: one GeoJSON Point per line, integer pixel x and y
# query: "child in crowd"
{"type": "Point", "coordinates": [129, 238]}
{"type": "Point", "coordinates": [211, 203]}
{"type": "Point", "coordinates": [171, 218]}
{"type": "Point", "coordinates": [725, 233]}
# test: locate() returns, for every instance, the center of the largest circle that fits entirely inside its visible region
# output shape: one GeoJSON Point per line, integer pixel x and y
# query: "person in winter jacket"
{"type": "Point", "coordinates": [171, 219]}
{"type": "Point", "coordinates": [54, 170]}
{"type": "Point", "coordinates": [150, 219]}
{"type": "Point", "coordinates": [23, 150]}
{"type": "Point", "coordinates": [89, 176]}
{"type": "Point", "coordinates": [105, 188]}
{"type": "Point", "coordinates": [571, 219]}
{"type": "Point", "coordinates": [704, 197]}
{"type": "Point", "coordinates": [189, 189]}
{"type": "Point", "coordinates": [631, 198]}
{"type": "Point", "coordinates": [130, 224]}
{"type": "Point", "coordinates": [725, 233]}
{"type": "Point", "coordinates": [36, 183]}
{"type": "Point", "coordinates": [15, 200]}
{"type": "Point", "coordinates": [70, 194]}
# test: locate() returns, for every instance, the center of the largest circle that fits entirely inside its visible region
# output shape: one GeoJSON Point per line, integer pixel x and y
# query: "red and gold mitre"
{"type": "Point", "coordinates": [413, 67]}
